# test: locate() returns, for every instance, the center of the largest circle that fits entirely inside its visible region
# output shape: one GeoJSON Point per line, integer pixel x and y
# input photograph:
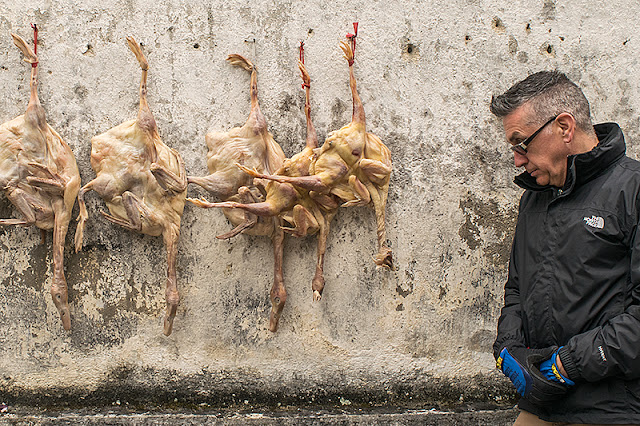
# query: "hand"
{"type": "Point", "coordinates": [552, 370]}
{"type": "Point", "coordinates": [520, 365]}
{"type": "Point", "coordinates": [560, 367]}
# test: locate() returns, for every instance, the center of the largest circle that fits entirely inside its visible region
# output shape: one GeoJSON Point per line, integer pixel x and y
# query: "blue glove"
{"type": "Point", "coordinates": [515, 371]}
{"type": "Point", "coordinates": [521, 366]}
{"type": "Point", "coordinates": [550, 370]}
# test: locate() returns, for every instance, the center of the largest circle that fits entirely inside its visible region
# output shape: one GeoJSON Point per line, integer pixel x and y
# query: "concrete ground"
{"type": "Point", "coordinates": [35, 416]}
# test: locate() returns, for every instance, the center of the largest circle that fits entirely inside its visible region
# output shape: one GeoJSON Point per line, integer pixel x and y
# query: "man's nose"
{"type": "Point", "coordinates": [519, 159]}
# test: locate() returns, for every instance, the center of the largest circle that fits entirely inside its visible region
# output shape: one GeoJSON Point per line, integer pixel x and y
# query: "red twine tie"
{"type": "Point", "coordinates": [352, 39]}
{"type": "Point", "coordinates": [35, 43]}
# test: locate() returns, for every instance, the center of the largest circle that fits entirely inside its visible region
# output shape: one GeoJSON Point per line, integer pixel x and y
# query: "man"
{"type": "Point", "coordinates": [569, 331]}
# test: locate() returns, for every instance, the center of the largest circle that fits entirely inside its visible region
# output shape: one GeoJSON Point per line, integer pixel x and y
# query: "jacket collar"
{"type": "Point", "coordinates": [583, 167]}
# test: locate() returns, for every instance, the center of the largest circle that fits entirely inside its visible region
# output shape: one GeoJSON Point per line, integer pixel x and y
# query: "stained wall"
{"type": "Point", "coordinates": [426, 71]}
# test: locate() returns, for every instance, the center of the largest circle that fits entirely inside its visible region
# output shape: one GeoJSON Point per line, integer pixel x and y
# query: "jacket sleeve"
{"type": "Point", "coordinates": [510, 322]}
{"type": "Point", "coordinates": [612, 349]}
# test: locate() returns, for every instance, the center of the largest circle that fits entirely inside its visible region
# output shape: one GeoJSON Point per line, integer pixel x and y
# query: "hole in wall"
{"type": "Point", "coordinates": [548, 49]}
{"type": "Point", "coordinates": [89, 50]}
{"type": "Point", "coordinates": [410, 51]}
{"type": "Point", "coordinates": [497, 24]}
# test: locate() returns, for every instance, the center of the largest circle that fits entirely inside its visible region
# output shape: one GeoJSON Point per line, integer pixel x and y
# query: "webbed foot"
{"type": "Point", "coordinates": [317, 285]}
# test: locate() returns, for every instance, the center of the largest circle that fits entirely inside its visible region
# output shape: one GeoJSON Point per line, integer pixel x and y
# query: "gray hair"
{"type": "Point", "coordinates": [549, 93]}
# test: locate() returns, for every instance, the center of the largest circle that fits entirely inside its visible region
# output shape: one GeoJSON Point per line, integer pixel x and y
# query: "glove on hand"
{"type": "Point", "coordinates": [550, 370]}
{"type": "Point", "coordinates": [520, 365]}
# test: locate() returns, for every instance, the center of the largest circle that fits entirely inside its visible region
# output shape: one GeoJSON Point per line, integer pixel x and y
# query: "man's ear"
{"type": "Point", "coordinates": [567, 125]}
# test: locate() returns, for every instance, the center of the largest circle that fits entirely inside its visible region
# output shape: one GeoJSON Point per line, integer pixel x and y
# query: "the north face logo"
{"type": "Point", "coordinates": [595, 222]}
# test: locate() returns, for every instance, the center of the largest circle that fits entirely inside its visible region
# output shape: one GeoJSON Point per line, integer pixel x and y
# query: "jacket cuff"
{"type": "Point", "coordinates": [568, 364]}
{"type": "Point", "coordinates": [498, 347]}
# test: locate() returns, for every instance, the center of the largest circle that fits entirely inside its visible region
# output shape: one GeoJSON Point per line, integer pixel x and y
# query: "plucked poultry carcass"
{"type": "Point", "coordinates": [352, 164]}
{"type": "Point", "coordinates": [39, 175]}
{"type": "Point", "coordinates": [143, 182]}
{"type": "Point", "coordinates": [252, 146]}
{"type": "Point", "coordinates": [294, 205]}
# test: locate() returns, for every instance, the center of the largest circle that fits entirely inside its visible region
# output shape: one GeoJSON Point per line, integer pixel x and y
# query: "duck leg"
{"type": "Point", "coordinates": [319, 183]}
{"type": "Point", "coordinates": [172, 296]}
{"type": "Point", "coordinates": [376, 171]}
{"type": "Point", "coordinates": [216, 184]}
{"type": "Point", "coordinates": [384, 256]}
{"type": "Point", "coordinates": [245, 196]}
{"type": "Point", "coordinates": [59, 283]}
{"type": "Point", "coordinates": [304, 223]}
{"type": "Point", "coordinates": [317, 284]}
{"type": "Point", "coordinates": [278, 294]}
{"type": "Point", "coordinates": [360, 191]}
{"type": "Point", "coordinates": [83, 215]}
{"type": "Point", "coordinates": [31, 208]}
{"type": "Point", "coordinates": [136, 210]}
{"type": "Point", "coordinates": [285, 200]}
{"type": "Point", "coordinates": [168, 180]}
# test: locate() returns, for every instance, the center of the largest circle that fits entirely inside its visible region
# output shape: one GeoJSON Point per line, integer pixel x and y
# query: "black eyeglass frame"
{"type": "Point", "coordinates": [521, 148]}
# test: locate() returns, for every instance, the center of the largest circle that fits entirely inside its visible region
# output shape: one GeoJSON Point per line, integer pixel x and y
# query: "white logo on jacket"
{"type": "Point", "coordinates": [595, 222]}
{"type": "Point", "coordinates": [604, 358]}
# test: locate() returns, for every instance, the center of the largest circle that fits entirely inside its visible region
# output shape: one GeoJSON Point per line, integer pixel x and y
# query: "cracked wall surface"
{"type": "Point", "coordinates": [426, 72]}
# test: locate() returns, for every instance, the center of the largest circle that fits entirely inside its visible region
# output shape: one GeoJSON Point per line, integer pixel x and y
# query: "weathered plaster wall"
{"type": "Point", "coordinates": [426, 72]}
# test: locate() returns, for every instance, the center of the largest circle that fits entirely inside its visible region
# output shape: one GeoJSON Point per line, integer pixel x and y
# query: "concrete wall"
{"type": "Point", "coordinates": [426, 72]}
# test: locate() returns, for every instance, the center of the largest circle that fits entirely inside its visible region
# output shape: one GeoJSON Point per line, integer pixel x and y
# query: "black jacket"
{"type": "Point", "coordinates": [574, 281]}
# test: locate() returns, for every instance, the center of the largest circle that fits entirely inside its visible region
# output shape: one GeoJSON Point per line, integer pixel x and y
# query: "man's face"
{"type": "Point", "coordinates": [546, 157]}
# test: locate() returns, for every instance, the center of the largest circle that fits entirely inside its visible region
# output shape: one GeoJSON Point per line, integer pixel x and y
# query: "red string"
{"type": "Point", "coordinates": [35, 38]}
{"type": "Point", "coordinates": [35, 43]}
{"type": "Point", "coordinates": [352, 39]}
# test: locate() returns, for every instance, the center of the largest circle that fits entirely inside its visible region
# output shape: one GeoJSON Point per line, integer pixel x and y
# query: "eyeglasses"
{"type": "Point", "coordinates": [521, 148]}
